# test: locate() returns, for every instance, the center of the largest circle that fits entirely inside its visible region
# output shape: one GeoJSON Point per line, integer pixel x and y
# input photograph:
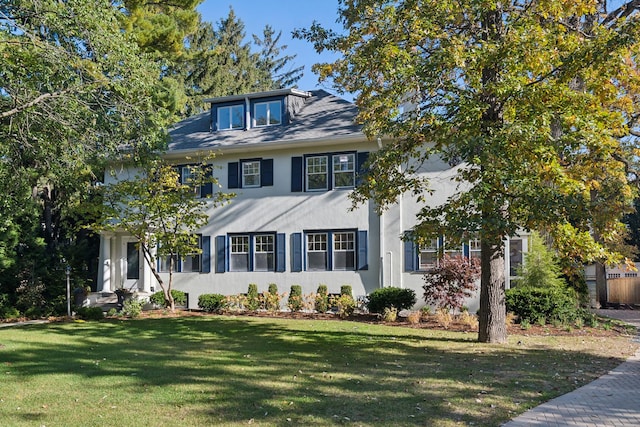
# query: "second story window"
{"type": "Point", "coordinates": [267, 113]}
{"type": "Point", "coordinates": [231, 117]}
{"type": "Point", "coordinates": [344, 170]}
{"type": "Point", "coordinates": [251, 173]}
{"type": "Point", "coordinates": [317, 173]}
{"type": "Point", "coordinates": [187, 179]}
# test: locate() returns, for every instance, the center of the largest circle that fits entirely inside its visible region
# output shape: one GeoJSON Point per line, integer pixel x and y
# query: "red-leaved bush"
{"type": "Point", "coordinates": [453, 280]}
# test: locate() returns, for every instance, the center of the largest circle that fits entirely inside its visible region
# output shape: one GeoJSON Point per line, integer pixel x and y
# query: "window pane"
{"type": "Point", "coordinates": [275, 113]}
{"type": "Point", "coordinates": [260, 114]}
{"type": "Point", "coordinates": [264, 262]}
{"type": "Point", "coordinates": [344, 261]}
{"type": "Point", "coordinates": [474, 248]}
{"type": "Point", "coordinates": [515, 256]}
{"type": "Point", "coordinates": [187, 179]}
{"type": "Point", "coordinates": [429, 254]}
{"type": "Point", "coordinates": [224, 119]}
{"type": "Point", "coordinates": [344, 251]}
{"type": "Point", "coordinates": [317, 261]}
{"type": "Point", "coordinates": [239, 258]}
{"type": "Point", "coordinates": [251, 174]}
{"type": "Point", "coordinates": [239, 262]}
{"type": "Point", "coordinates": [231, 117]}
{"type": "Point", "coordinates": [317, 173]}
{"type": "Point", "coordinates": [344, 170]}
{"type": "Point", "coordinates": [264, 259]}
{"type": "Point", "coordinates": [317, 251]}
{"type": "Point", "coordinates": [191, 263]}
{"type": "Point", "coordinates": [237, 117]}
{"type": "Point", "coordinates": [164, 263]}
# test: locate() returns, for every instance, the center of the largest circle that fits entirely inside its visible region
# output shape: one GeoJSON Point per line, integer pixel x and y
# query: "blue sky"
{"type": "Point", "coordinates": [285, 16]}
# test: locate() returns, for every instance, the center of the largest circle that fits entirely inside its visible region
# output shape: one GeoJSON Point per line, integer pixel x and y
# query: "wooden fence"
{"type": "Point", "coordinates": [624, 290]}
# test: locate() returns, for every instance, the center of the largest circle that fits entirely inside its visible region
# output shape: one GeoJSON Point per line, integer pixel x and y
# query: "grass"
{"type": "Point", "coordinates": [225, 370]}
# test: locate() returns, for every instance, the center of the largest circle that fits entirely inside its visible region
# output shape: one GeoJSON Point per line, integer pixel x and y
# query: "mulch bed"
{"type": "Point", "coordinates": [427, 322]}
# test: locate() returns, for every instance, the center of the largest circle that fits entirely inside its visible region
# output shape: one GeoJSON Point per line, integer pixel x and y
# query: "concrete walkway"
{"type": "Point", "coordinates": [26, 322]}
{"type": "Point", "coordinates": [611, 400]}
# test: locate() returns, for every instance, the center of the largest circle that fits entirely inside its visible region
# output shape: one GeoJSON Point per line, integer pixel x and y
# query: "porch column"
{"type": "Point", "coordinates": [104, 279]}
{"type": "Point", "coordinates": [146, 273]}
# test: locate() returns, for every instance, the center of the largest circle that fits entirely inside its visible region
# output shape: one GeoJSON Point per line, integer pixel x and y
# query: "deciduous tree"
{"type": "Point", "coordinates": [533, 99]}
{"type": "Point", "coordinates": [161, 212]}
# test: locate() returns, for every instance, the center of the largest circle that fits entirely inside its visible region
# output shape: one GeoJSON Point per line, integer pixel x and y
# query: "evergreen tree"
{"type": "Point", "coordinates": [540, 267]}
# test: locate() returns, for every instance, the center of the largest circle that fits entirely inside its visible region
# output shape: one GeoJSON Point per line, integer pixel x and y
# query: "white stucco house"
{"type": "Point", "coordinates": [292, 157]}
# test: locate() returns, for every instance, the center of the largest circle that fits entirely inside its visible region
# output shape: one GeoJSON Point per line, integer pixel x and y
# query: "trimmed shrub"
{"type": "Point", "coordinates": [253, 300]}
{"type": "Point", "coordinates": [398, 298]}
{"type": "Point", "coordinates": [179, 298]}
{"type": "Point", "coordinates": [212, 303]}
{"type": "Point", "coordinates": [322, 299]}
{"type": "Point", "coordinates": [271, 299]}
{"type": "Point", "coordinates": [295, 302]}
{"type": "Point", "coordinates": [346, 290]}
{"type": "Point", "coordinates": [344, 304]}
{"type": "Point", "coordinates": [9, 313]}
{"type": "Point", "coordinates": [132, 307]}
{"type": "Point", "coordinates": [551, 303]}
{"type": "Point", "coordinates": [90, 313]}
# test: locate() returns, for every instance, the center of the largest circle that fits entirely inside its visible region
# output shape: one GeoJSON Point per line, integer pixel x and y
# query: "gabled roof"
{"type": "Point", "coordinates": [323, 116]}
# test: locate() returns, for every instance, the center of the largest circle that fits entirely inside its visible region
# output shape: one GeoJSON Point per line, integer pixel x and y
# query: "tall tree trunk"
{"type": "Point", "coordinates": [492, 325]}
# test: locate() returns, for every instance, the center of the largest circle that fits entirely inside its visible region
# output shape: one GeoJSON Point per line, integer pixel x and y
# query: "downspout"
{"type": "Point", "coordinates": [382, 242]}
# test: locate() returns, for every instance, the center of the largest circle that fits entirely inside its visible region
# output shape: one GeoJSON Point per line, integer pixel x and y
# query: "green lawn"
{"type": "Point", "coordinates": [218, 370]}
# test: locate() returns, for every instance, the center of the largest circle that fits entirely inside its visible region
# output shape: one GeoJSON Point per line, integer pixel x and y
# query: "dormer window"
{"type": "Point", "coordinates": [267, 113]}
{"type": "Point", "coordinates": [230, 117]}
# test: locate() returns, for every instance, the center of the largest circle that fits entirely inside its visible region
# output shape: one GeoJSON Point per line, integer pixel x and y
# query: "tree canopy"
{"type": "Point", "coordinates": [161, 211]}
{"type": "Point", "coordinates": [534, 101]}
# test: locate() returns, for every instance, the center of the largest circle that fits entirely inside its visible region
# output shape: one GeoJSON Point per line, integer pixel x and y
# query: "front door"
{"type": "Point", "coordinates": [131, 270]}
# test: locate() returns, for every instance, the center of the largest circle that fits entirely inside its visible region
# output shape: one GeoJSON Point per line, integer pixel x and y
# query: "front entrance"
{"type": "Point", "coordinates": [131, 268]}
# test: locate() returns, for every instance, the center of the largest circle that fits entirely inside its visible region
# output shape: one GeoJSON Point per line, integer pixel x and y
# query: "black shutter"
{"type": "Point", "coordinates": [233, 177]}
{"type": "Point", "coordinates": [362, 250]}
{"type": "Point", "coordinates": [296, 251]}
{"type": "Point", "coordinates": [221, 258]}
{"type": "Point", "coordinates": [206, 190]}
{"type": "Point", "coordinates": [361, 160]}
{"type": "Point", "coordinates": [280, 252]}
{"type": "Point", "coordinates": [206, 254]}
{"type": "Point", "coordinates": [266, 172]}
{"type": "Point", "coordinates": [297, 174]}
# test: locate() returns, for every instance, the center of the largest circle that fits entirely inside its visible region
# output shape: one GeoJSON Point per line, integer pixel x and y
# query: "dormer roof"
{"type": "Point", "coordinates": [320, 117]}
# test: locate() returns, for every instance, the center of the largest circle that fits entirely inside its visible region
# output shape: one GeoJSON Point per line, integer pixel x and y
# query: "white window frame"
{"type": "Point", "coordinates": [432, 249]}
{"type": "Point", "coordinates": [251, 168]}
{"type": "Point", "coordinates": [344, 242]}
{"type": "Point", "coordinates": [229, 110]}
{"type": "Point", "coordinates": [344, 167]}
{"type": "Point", "coordinates": [474, 248]}
{"type": "Point", "coordinates": [310, 170]}
{"type": "Point", "coordinates": [264, 244]}
{"type": "Point", "coordinates": [239, 245]}
{"type": "Point", "coordinates": [317, 243]}
{"type": "Point", "coordinates": [186, 178]}
{"type": "Point", "coordinates": [196, 259]}
{"type": "Point", "coordinates": [269, 106]}
{"type": "Point", "coordinates": [179, 261]}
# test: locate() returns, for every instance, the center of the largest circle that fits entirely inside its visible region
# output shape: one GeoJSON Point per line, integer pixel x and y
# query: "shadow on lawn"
{"type": "Point", "coordinates": [279, 372]}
